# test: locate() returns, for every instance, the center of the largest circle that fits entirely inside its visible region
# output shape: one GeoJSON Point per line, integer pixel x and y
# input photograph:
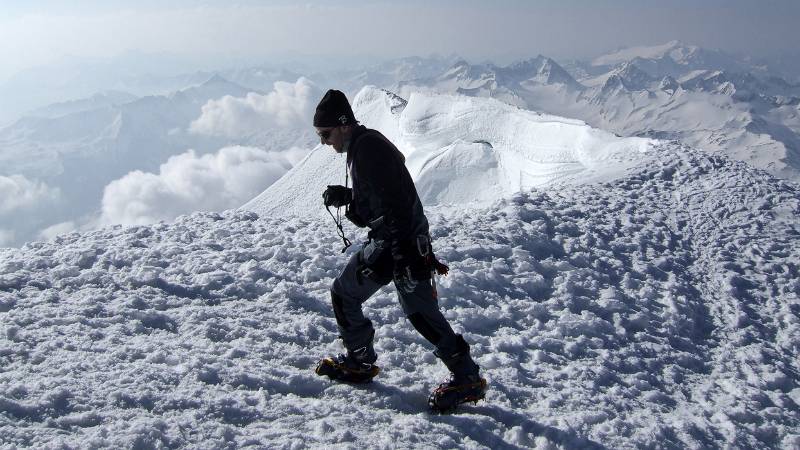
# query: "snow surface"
{"type": "Point", "coordinates": [656, 310]}
{"type": "Point", "coordinates": [635, 294]}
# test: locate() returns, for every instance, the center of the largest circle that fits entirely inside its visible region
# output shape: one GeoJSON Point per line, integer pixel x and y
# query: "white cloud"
{"type": "Point", "coordinates": [6, 238]}
{"type": "Point", "coordinates": [60, 228]}
{"type": "Point", "coordinates": [188, 182]}
{"type": "Point", "coordinates": [290, 105]}
{"type": "Point", "coordinates": [295, 154]}
{"type": "Point", "coordinates": [18, 192]}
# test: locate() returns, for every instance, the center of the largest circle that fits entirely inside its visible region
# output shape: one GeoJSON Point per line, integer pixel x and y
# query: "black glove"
{"type": "Point", "coordinates": [337, 196]}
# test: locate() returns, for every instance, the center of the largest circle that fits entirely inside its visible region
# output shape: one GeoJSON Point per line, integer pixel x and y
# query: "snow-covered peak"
{"type": "Point", "coordinates": [213, 88]}
{"type": "Point", "coordinates": [526, 66]}
{"type": "Point", "coordinates": [531, 67]}
{"type": "Point", "coordinates": [673, 58]}
{"type": "Point", "coordinates": [726, 88]}
{"type": "Point", "coordinates": [740, 86]}
{"type": "Point", "coordinates": [390, 74]}
{"type": "Point", "coordinates": [379, 109]}
{"type": "Point", "coordinates": [459, 70]}
{"type": "Point", "coordinates": [465, 76]}
{"type": "Point", "coordinates": [613, 86]}
{"type": "Point", "coordinates": [463, 151]}
{"type": "Point", "coordinates": [395, 102]}
{"type": "Point", "coordinates": [645, 52]}
{"type": "Point", "coordinates": [541, 70]}
{"type": "Point", "coordinates": [676, 50]}
{"type": "Point", "coordinates": [683, 54]}
{"type": "Point", "coordinates": [633, 77]}
{"type": "Point", "coordinates": [103, 99]}
{"type": "Point", "coordinates": [668, 84]}
{"type": "Point", "coordinates": [214, 80]}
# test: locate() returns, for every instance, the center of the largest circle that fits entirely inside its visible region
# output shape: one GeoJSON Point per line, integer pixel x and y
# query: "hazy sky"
{"type": "Point", "coordinates": [38, 32]}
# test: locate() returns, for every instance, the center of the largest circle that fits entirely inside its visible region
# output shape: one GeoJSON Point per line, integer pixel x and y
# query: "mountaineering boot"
{"type": "Point", "coordinates": [456, 391]}
{"type": "Point", "coordinates": [354, 367]}
{"type": "Point", "coordinates": [465, 384]}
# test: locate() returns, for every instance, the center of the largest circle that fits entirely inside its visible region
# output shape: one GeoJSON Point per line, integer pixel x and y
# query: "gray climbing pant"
{"type": "Point", "coordinates": [352, 288]}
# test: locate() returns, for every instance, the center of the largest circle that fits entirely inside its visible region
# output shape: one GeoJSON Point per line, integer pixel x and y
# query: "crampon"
{"type": "Point", "coordinates": [337, 369]}
{"type": "Point", "coordinates": [448, 396]}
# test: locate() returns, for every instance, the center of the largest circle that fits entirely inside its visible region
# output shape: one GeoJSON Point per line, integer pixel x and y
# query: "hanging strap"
{"type": "Point", "coordinates": [337, 219]}
{"type": "Point", "coordinates": [339, 229]}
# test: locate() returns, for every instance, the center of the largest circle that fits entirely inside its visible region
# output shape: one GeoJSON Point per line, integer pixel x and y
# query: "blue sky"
{"type": "Point", "coordinates": [38, 32]}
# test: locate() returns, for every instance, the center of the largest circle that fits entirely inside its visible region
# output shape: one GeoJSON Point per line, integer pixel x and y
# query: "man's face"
{"type": "Point", "coordinates": [333, 136]}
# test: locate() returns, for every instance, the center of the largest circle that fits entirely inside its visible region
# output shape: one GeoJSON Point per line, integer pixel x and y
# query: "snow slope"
{"type": "Point", "coordinates": [461, 150]}
{"type": "Point", "coordinates": [658, 309]}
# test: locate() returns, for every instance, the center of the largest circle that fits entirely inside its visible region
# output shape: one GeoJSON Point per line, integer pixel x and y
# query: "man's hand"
{"type": "Point", "coordinates": [337, 196]}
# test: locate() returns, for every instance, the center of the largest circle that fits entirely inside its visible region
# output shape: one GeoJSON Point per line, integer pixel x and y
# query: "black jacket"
{"type": "Point", "coordinates": [384, 196]}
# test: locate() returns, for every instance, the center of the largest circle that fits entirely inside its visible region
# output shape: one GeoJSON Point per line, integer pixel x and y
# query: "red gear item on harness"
{"type": "Point", "coordinates": [425, 249]}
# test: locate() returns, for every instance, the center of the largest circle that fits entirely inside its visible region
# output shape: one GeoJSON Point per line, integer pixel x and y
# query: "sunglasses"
{"type": "Point", "coordinates": [325, 134]}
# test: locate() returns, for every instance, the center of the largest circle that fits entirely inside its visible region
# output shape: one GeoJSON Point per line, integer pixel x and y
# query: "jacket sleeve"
{"type": "Point", "coordinates": [383, 171]}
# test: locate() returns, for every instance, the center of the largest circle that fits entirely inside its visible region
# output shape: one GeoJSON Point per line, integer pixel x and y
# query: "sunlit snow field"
{"type": "Point", "coordinates": [656, 310]}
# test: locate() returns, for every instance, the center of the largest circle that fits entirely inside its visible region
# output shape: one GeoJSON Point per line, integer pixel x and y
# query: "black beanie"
{"type": "Point", "coordinates": [334, 110]}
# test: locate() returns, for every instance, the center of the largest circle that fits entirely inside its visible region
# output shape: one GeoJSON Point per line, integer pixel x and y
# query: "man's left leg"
{"type": "Point", "coordinates": [422, 310]}
{"type": "Point", "coordinates": [348, 292]}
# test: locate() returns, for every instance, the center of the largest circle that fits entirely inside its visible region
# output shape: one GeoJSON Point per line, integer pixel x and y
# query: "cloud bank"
{"type": "Point", "coordinates": [188, 183]}
{"type": "Point", "coordinates": [289, 105]}
{"type": "Point", "coordinates": [49, 233]}
{"type": "Point", "coordinates": [6, 238]}
{"type": "Point", "coordinates": [19, 193]}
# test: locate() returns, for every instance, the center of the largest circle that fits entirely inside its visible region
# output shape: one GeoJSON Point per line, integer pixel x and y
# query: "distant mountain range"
{"type": "Point", "coordinates": [704, 98]}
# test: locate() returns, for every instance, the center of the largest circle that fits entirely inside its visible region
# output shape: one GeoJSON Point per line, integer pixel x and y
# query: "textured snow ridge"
{"type": "Point", "coordinates": [462, 151]}
{"type": "Point", "coordinates": [656, 310]}
{"type": "Point", "coordinates": [704, 98]}
{"type": "Point", "coordinates": [532, 149]}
